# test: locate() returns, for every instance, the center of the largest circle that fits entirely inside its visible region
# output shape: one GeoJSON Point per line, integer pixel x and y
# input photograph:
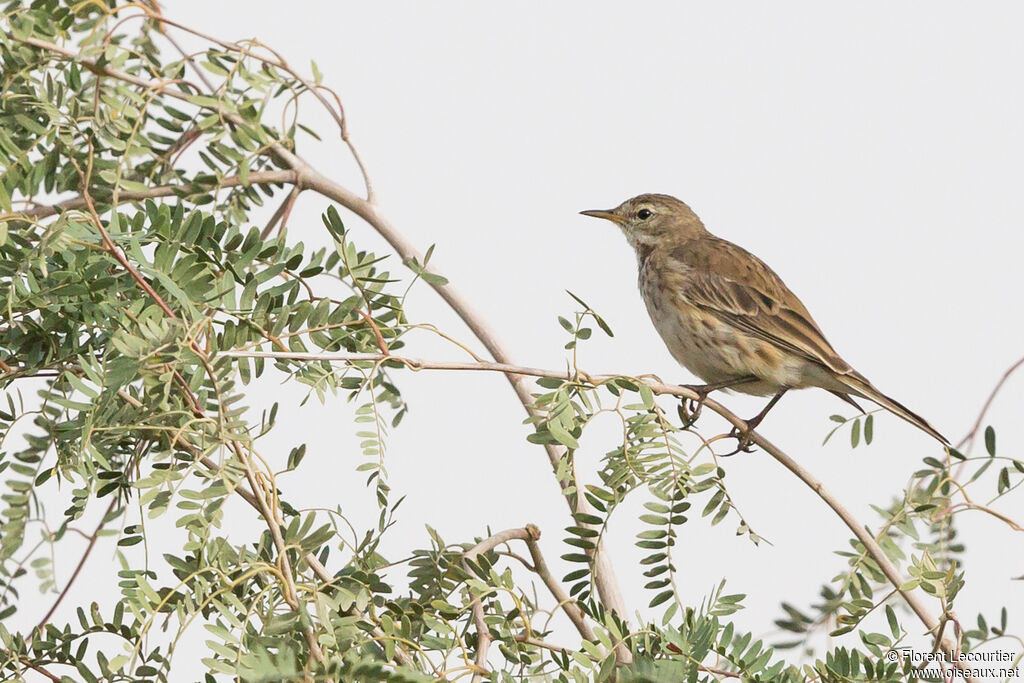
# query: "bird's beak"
{"type": "Point", "coordinates": [607, 215]}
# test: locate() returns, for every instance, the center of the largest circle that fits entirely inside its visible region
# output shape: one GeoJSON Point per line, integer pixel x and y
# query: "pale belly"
{"type": "Point", "coordinates": [716, 352]}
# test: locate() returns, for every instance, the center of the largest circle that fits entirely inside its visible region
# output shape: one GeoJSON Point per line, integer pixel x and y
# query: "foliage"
{"type": "Point", "coordinates": [140, 302]}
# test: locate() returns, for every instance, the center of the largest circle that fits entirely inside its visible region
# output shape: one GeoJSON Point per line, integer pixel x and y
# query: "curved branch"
{"type": "Point", "coordinates": [969, 438]}
{"type": "Point", "coordinates": [530, 534]}
{"type": "Point", "coordinates": [483, 633]}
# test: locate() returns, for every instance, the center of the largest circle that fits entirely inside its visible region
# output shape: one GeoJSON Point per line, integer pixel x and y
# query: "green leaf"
{"type": "Point", "coordinates": [1004, 480]}
{"type": "Point", "coordinates": [434, 279]}
{"type": "Point", "coordinates": [205, 101]}
{"type": "Point", "coordinates": [333, 223]}
{"type": "Point", "coordinates": [647, 396]}
{"type": "Point", "coordinates": [660, 598]}
{"type": "Point", "coordinates": [894, 625]}
{"type": "Point", "coordinates": [296, 455]}
{"type": "Point", "coordinates": [561, 435]}
{"type": "Point", "coordinates": [215, 69]}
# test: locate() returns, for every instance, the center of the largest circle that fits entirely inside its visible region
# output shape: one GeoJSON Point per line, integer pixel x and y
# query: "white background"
{"type": "Point", "coordinates": [872, 155]}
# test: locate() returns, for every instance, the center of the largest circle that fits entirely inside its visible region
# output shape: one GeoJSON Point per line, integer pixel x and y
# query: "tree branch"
{"type": "Point", "coordinates": [255, 178]}
{"type": "Point", "coordinates": [282, 213]}
{"type": "Point", "coordinates": [870, 544]}
{"type": "Point", "coordinates": [530, 534]}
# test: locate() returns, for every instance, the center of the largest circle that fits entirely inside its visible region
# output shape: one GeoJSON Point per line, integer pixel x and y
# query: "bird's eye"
{"type": "Point", "coordinates": [644, 214]}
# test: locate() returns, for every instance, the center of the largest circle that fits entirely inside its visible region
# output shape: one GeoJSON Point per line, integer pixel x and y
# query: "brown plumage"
{"type": "Point", "coordinates": [726, 316]}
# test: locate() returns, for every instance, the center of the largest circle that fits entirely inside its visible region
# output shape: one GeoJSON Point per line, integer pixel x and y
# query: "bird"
{"type": "Point", "coordinates": [728, 318]}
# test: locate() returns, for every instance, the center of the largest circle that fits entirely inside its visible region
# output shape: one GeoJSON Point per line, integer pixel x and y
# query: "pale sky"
{"type": "Point", "coordinates": [872, 154]}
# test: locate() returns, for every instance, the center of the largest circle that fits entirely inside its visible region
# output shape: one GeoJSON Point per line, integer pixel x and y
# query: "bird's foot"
{"type": "Point", "coordinates": [744, 442]}
{"type": "Point", "coordinates": [689, 408]}
{"type": "Point", "coordinates": [744, 439]}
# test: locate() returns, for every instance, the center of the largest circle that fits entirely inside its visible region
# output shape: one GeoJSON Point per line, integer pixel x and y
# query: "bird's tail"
{"type": "Point", "coordinates": [860, 386]}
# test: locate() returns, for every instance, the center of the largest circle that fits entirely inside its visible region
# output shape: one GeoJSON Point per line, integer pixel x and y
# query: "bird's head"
{"type": "Point", "coordinates": [652, 219]}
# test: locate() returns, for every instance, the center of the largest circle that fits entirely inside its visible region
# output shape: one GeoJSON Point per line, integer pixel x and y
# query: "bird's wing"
{"type": "Point", "coordinates": [740, 289]}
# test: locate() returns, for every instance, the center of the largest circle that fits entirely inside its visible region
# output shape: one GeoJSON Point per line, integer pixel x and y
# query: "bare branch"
{"type": "Point", "coordinates": [36, 667]}
{"type": "Point", "coordinates": [567, 604]}
{"type": "Point", "coordinates": [282, 213]}
{"type": "Point", "coordinates": [969, 438]}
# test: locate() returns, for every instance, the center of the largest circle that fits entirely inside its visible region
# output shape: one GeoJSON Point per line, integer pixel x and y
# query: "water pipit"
{"type": "Point", "coordinates": [727, 317]}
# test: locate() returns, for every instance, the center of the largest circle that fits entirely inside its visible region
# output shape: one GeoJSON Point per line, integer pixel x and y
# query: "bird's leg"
{"type": "Point", "coordinates": [743, 435]}
{"type": "Point", "coordinates": [689, 409]}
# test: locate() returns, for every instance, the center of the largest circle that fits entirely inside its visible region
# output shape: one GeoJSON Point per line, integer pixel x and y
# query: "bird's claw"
{"type": "Point", "coordinates": [744, 444]}
{"type": "Point", "coordinates": [690, 408]}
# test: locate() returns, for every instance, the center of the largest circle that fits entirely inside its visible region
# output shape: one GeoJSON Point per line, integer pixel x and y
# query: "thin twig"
{"type": "Point", "coordinates": [36, 667]}
{"type": "Point", "coordinates": [567, 604]}
{"type": "Point", "coordinates": [78, 568]}
{"type": "Point", "coordinates": [119, 256]}
{"type": "Point", "coordinates": [337, 114]}
{"type": "Point", "coordinates": [184, 55]}
{"type": "Point", "coordinates": [282, 213]}
{"type": "Point", "coordinates": [969, 438]}
{"type": "Point", "coordinates": [483, 634]}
